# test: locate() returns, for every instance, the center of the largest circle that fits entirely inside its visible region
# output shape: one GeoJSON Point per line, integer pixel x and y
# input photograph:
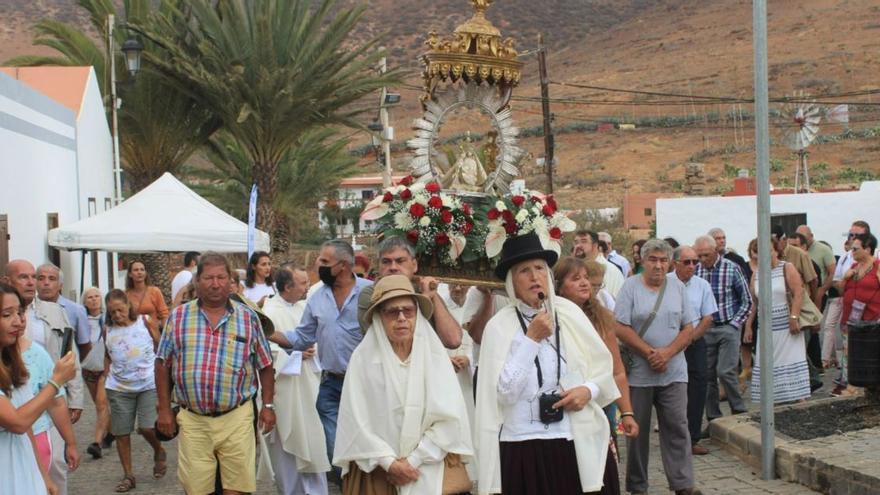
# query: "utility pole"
{"type": "Point", "coordinates": [387, 131]}
{"type": "Point", "coordinates": [114, 104]}
{"type": "Point", "coordinates": [762, 159]}
{"type": "Point", "coordinates": [545, 109]}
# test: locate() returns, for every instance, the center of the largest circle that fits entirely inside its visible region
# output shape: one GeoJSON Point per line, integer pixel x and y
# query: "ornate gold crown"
{"type": "Point", "coordinates": [474, 52]}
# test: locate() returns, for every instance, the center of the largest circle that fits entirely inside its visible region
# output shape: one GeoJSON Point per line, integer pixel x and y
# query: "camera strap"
{"type": "Point", "coordinates": [522, 323]}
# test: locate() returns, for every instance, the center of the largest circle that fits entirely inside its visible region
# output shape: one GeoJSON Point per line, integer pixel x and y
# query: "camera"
{"type": "Point", "coordinates": [546, 412]}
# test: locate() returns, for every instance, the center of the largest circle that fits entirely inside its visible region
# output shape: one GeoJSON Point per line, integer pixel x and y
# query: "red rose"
{"type": "Point", "coordinates": [556, 233]}
{"type": "Point", "coordinates": [432, 187]}
{"type": "Point", "coordinates": [406, 181]}
{"type": "Point", "coordinates": [548, 210]}
{"type": "Point", "coordinates": [387, 197]}
{"type": "Point", "coordinates": [466, 208]}
{"type": "Point", "coordinates": [552, 202]}
{"type": "Point", "coordinates": [508, 216]}
{"type": "Point", "coordinates": [406, 194]}
{"type": "Point", "coordinates": [466, 228]}
{"type": "Point", "coordinates": [446, 216]}
{"type": "Point", "coordinates": [510, 227]}
{"type": "Point", "coordinates": [518, 200]}
{"type": "Point", "coordinates": [493, 214]}
{"type": "Point", "coordinates": [417, 210]}
{"type": "Point", "coordinates": [441, 239]}
{"type": "Point", "coordinates": [435, 202]}
{"type": "Point", "coordinates": [413, 236]}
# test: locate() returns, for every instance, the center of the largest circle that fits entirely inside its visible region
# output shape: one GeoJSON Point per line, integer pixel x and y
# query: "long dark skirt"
{"type": "Point", "coordinates": [548, 466]}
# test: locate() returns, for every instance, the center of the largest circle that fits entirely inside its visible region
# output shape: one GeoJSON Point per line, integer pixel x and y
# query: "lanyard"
{"type": "Point", "coordinates": [522, 324]}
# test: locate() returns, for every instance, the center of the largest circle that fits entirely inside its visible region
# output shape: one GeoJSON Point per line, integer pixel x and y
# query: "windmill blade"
{"type": "Point", "coordinates": [840, 113]}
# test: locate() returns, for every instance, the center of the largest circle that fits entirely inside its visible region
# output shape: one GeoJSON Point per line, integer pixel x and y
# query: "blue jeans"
{"type": "Point", "coordinates": [698, 385]}
{"type": "Point", "coordinates": [329, 395]}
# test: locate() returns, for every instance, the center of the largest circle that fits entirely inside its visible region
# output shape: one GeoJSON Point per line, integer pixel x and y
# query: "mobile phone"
{"type": "Point", "coordinates": [66, 341]}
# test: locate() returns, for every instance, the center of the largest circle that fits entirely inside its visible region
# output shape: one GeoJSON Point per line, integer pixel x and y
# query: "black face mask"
{"type": "Point", "coordinates": [325, 273]}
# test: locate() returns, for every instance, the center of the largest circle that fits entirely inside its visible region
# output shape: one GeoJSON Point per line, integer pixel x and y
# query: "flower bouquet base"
{"type": "Point", "coordinates": [475, 273]}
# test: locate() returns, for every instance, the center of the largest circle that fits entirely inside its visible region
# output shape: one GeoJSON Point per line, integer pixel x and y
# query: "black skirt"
{"type": "Point", "coordinates": [534, 467]}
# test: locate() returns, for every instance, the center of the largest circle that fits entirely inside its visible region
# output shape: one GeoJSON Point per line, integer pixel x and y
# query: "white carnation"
{"type": "Point", "coordinates": [403, 220]}
{"type": "Point", "coordinates": [522, 215]}
{"type": "Point", "coordinates": [499, 205]}
{"type": "Point", "coordinates": [540, 224]}
{"type": "Point", "coordinates": [417, 187]}
{"type": "Point", "coordinates": [425, 221]}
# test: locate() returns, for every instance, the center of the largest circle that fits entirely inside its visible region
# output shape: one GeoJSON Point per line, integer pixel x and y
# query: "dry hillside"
{"type": "Point", "coordinates": [691, 47]}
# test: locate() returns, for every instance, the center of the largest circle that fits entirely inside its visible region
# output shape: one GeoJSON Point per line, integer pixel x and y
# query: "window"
{"type": "Point", "coordinates": [367, 194]}
{"type": "Point", "coordinates": [789, 221]}
{"type": "Point", "coordinates": [649, 212]}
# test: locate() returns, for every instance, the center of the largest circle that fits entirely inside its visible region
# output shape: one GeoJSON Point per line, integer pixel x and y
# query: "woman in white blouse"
{"type": "Point", "coordinates": [403, 426]}
{"type": "Point", "coordinates": [258, 284]}
{"type": "Point", "coordinates": [544, 377]}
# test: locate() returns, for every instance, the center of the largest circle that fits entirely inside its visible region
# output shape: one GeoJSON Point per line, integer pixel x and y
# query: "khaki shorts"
{"type": "Point", "coordinates": [230, 438]}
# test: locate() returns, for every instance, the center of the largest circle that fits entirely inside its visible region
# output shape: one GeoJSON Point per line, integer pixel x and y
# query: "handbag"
{"type": "Point", "coordinates": [626, 354]}
{"type": "Point", "coordinates": [810, 315]}
{"type": "Point", "coordinates": [455, 477]}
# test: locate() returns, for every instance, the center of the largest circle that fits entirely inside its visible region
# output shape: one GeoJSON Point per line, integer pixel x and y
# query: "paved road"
{"type": "Point", "coordinates": [718, 473]}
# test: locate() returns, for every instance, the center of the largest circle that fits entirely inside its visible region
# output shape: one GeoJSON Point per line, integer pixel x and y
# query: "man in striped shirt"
{"type": "Point", "coordinates": [217, 349]}
{"type": "Point", "coordinates": [731, 291]}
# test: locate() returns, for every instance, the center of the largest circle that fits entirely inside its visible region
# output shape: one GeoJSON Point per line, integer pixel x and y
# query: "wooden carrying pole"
{"type": "Point", "coordinates": [545, 110]}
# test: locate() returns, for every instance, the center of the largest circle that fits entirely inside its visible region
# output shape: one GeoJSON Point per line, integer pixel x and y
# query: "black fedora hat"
{"type": "Point", "coordinates": [522, 248]}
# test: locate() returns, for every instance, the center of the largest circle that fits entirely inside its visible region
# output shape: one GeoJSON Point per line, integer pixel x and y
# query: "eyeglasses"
{"type": "Point", "coordinates": [394, 313]}
{"type": "Point", "coordinates": [688, 262]}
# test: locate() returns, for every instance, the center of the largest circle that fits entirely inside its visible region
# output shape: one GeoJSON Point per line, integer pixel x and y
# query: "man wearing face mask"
{"type": "Point", "coordinates": [331, 320]}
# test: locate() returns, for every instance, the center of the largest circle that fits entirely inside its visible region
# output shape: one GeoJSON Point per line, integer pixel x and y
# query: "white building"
{"type": "Point", "coordinates": [56, 166]}
{"type": "Point", "coordinates": [829, 215]}
{"type": "Point", "coordinates": [353, 193]}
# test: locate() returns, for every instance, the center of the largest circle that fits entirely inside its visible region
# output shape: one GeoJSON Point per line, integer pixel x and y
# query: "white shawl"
{"type": "Point", "coordinates": [298, 424]}
{"type": "Point", "coordinates": [585, 353]}
{"type": "Point", "coordinates": [387, 407]}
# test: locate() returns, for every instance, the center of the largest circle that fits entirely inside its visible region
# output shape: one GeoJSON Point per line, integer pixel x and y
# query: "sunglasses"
{"type": "Point", "coordinates": [688, 262]}
{"type": "Point", "coordinates": [394, 313]}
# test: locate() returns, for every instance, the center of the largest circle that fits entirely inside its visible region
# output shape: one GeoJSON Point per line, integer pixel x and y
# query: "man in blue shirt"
{"type": "Point", "coordinates": [331, 320]}
{"type": "Point", "coordinates": [702, 302]}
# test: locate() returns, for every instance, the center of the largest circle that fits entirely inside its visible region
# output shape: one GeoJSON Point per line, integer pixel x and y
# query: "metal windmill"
{"type": "Point", "coordinates": [800, 127]}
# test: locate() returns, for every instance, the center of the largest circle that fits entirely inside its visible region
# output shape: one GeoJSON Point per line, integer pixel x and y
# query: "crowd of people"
{"type": "Point", "coordinates": [384, 381]}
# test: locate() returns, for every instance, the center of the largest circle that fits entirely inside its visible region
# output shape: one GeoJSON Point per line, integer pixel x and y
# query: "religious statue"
{"type": "Point", "coordinates": [467, 173]}
{"type": "Point", "coordinates": [490, 150]}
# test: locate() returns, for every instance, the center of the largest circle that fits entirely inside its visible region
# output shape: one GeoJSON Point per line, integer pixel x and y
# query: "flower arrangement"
{"type": "Point", "coordinates": [528, 211]}
{"type": "Point", "coordinates": [434, 222]}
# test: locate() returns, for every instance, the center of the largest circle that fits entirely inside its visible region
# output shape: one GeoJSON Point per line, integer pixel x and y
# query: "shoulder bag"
{"type": "Point", "coordinates": [626, 354]}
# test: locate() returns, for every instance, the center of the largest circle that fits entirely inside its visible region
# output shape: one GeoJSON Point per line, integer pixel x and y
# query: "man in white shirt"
{"type": "Point", "coordinates": [614, 257]}
{"type": "Point", "coordinates": [297, 452]}
{"type": "Point", "coordinates": [702, 301]}
{"type": "Point", "coordinates": [586, 246]}
{"type": "Point", "coordinates": [183, 277]}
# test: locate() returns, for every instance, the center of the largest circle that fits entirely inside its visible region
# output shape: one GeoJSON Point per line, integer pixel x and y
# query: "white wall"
{"type": "Point", "coordinates": [94, 148]}
{"type": "Point", "coordinates": [38, 167]}
{"type": "Point", "coordinates": [829, 215]}
{"type": "Point", "coordinates": [348, 197]}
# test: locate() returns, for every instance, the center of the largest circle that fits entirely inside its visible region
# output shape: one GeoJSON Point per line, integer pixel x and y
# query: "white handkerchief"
{"type": "Point", "coordinates": [293, 366]}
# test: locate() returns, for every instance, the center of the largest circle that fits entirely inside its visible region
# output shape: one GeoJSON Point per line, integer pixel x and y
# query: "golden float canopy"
{"type": "Point", "coordinates": [474, 53]}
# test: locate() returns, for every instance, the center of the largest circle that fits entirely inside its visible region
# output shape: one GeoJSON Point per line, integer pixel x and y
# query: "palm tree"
{"type": "Point", "coordinates": [160, 128]}
{"type": "Point", "coordinates": [271, 70]}
{"type": "Point", "coordinates": [309, 172]}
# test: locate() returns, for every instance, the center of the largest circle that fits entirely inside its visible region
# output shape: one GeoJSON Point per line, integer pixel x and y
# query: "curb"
{"type": "Point", "coordinates": [836, 472]}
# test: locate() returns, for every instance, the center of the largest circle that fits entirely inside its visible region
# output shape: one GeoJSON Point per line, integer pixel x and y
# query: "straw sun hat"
{"type": "Point", "coordinates": [396, 286]}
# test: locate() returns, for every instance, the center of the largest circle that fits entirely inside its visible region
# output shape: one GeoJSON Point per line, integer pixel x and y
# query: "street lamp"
{"type": "Point", "coordinates": [132, 48]}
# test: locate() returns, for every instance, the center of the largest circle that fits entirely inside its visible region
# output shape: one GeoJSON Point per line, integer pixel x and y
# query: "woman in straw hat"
{"type": "Point", "coordinates": [402, 420]}
{"type": "Point", "coordinates": [545, 375]}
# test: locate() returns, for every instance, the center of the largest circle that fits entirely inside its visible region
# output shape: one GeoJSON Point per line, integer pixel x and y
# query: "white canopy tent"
{"type": "Point", "coordinates": [164, 216]}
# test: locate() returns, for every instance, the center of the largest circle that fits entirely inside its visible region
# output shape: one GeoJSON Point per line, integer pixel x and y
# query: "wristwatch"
{"type": "Point", "coordinates": [270, 407]}
{"type": "Point", "coordinates": [794, 317]}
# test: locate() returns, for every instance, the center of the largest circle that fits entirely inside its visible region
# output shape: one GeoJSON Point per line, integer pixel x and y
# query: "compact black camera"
{"type": "Point", "coordinates": [546, 412]}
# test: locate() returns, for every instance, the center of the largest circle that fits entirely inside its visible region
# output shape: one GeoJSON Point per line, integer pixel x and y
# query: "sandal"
{"type": "Point", "coordinates": [126, 484]}
{"type": "Point", "coordinates": [161, 466]}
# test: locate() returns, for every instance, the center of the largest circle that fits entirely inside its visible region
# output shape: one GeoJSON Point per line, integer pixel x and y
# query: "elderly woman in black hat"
{"type": "Point", "coordinates": [403, 426]}
{"type": "Point", "coordinates": [544, 377]}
